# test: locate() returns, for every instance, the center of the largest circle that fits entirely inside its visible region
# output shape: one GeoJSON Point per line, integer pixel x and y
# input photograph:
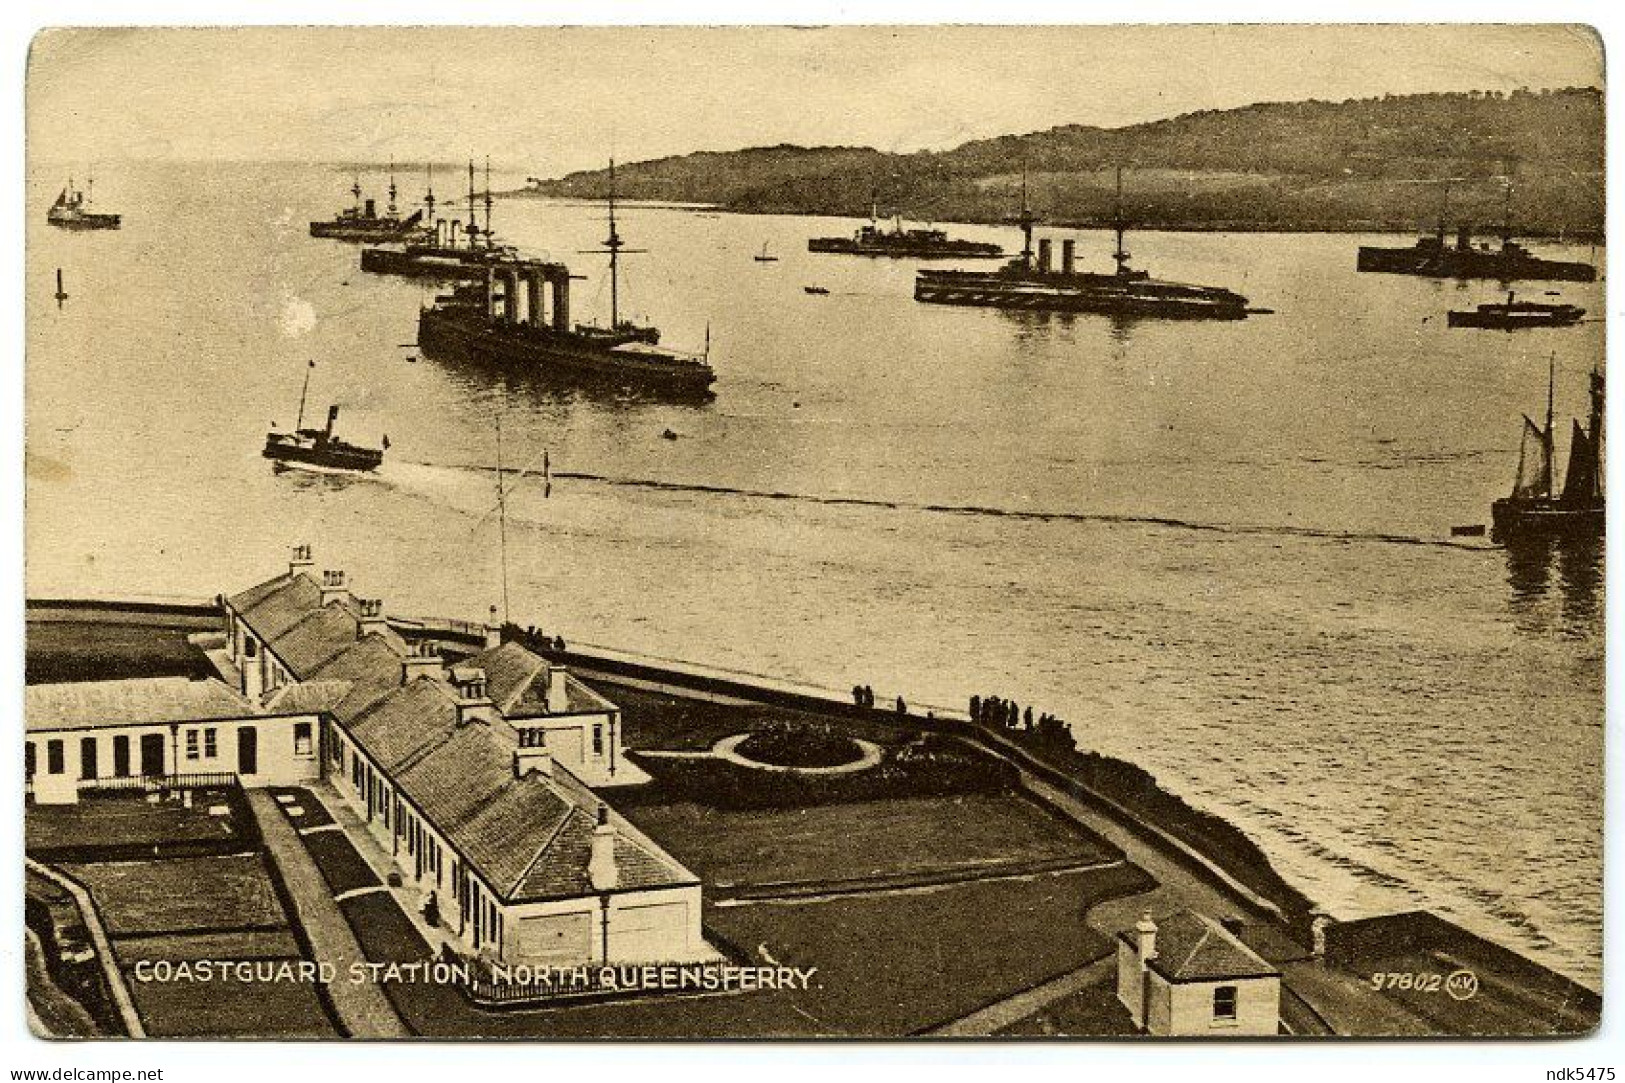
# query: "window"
{"type": "Point", "coordinates": [301, 739]}
{"type": "Point", "coordinates": [598, 740]}
{"type": "Point", "coordinates": [29, 757]}
{"type": "Point", "coordinates": [53, 758]}
{"type": "Point", "coordinates": [1224, 1003]}
{"type": "Point", "coordinates": [250, 648]}
{"type": "Point", "coordinates": [211, 749]}
{"type": "Point", "coordinates": [87, 757]}
{"type": "Point", "coordinates": [191, 744]}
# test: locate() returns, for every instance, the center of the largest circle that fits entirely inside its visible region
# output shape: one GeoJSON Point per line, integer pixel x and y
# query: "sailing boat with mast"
{"type": "Point", "coordinates": [1535, 509]}
{"type": "Point", "coordinates": [505, 319]}
{"type": "Point", "coordinates": [1033, 284]}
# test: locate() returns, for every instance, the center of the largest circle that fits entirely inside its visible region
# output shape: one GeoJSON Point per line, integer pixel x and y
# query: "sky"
{"type": "Point", "coordinates": [553, 100]}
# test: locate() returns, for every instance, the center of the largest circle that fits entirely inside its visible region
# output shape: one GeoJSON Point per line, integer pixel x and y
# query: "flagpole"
{"type": "Point", "coordinates": [502, 520]}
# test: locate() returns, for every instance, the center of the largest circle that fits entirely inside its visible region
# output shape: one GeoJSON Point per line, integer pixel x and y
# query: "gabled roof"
{"type": "Point", "coordinates": [1194, 948]}
{"type": "Point", "coordinates": [528, 838]}
{"type": "Point", "coordinates": [277, 605]}
{"type": "Point", "coordinates": [148, 700]}
{"type": "Point", "coordinates": [307, 697]}
{"type": "Point", "coordinates": [511, 673]}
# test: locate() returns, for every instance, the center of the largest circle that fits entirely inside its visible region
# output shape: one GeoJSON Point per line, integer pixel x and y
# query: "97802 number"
{"type": "Point", "coordinates": [1421, 983]}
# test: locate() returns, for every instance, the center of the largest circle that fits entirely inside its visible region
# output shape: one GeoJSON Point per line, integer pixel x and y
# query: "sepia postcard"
{"type": "Point", "coordinates": [855, 532]}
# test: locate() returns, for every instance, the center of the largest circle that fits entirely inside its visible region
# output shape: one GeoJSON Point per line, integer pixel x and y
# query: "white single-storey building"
{"type": "Point", "coordinates": [111, 734]}
{"type": "Point", "coordinates": [1185, 975]}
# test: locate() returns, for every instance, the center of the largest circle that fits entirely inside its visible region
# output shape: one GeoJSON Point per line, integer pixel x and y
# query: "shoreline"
{"type": "Point", "coordinates": [1348, 229]}
{"type": "Point", "coordinates": [1207, 843]}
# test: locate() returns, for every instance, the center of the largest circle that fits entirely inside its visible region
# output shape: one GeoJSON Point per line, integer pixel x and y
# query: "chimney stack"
{"type": "Point", "coordinates": [372, 618]}
{"type": "Point", "coordinates": [1069, 248]}
{"type": "Point", "coordinates": [493, 631]}
{"type": "Point", "coordinates": [558, 695]}
{"type": "Point", "coordinates": [534, 759]}
{"type": "Point", "coordinates": [422, 660]}
{"type": "Point", "coordinates": [1044, 247]}
{"type": "Point", "coordinates": [601, 868]}
{"type": "Point", "coordinates": [332, 586]}
{"type": "Point", "coordinates": [473, 704]}
{"type": "Point", "coordinates": [1146, 931]}
{"type": "Point", "coordinates": [302, 561]}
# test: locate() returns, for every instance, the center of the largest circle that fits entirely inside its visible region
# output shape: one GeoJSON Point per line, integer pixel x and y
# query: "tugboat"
{"type": "Point", "coordinates": [1535, 510]}
{"type": "Point", "coordinates": [1513, 315]}
{"type": "Point", "coordinates": [1024, 283]}
{"type": "Point", "coordinates": [362, 223]}
{"type": "Point", "coordinates": [1435, 257]}
{"type": "Point", "coordinates": [484, 321]}
{"type": "Point", "coordinates": [442, 255]}
{"type": "Point", "coordinates": [900, 243]}
{"type": "Point", "coordinates": [319, 447]}
{"type": "Point", "coordinates": [70, 211]}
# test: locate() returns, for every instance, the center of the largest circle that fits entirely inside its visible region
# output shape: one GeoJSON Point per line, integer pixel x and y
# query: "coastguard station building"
{"type": "Point", "coordinates": [479, 775]}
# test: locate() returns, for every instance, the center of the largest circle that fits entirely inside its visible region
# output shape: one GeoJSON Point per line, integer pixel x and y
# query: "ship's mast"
{"type": "Point", "coordinates": [473, 229]}
{"type": "Point", "coordinates": [1120, 254]}
{"type": "Point", "coordinates": [428, 198]}
{"type": "Point", "coordinates": [355, 189]}
{"type": "Point", "coordinates": [1551, 390]}
{"type": "Point", "coordinates": [1026, 221]}
{"type": "Point", "coordinates": [488, 200]}
{"type": "Point", "coordinates": [1506, 207]}
{"type": "Point", "coordinates": [614, 246]}
{"type": "Point", "coordinates": [392, 189]}
{"type": "Point", "coordinates": [300, 422]}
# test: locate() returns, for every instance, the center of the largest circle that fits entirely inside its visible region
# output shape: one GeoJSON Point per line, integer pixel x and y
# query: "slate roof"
{"type": "Point", "coordinates": [1194, 948]}
{"type": "Point", "coordinates": [529, 838]}
{"type": "Point", "coordinates": [148, 700]}
{"type": "Point", "coordinates": [275, 606]}
{"type": "Point", "coordinates": [516, 679]}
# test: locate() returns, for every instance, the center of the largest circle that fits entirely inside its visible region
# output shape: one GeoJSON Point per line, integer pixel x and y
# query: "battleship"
{"type": "Point", "coordinates": [1515, 315]}
{"type": "Point", "coordinates": [1032, 283]}
{"type": "Point", "coordinates": [506, 320]}
{"type": "Point", "coordinates": [362, 223]}
{"type": "Point", "coordinates": [71, 210]}
{"type": "Point", "coordinates": [451, 251]}
{"type": "Point", "coordinates": [319, 448]}
{"type": "Point", "coordinates": [1434, 256]}
{"type": "Point", "coordinates": [1535, 510]}
{"type": "Point", "coordinates": [900, 243]}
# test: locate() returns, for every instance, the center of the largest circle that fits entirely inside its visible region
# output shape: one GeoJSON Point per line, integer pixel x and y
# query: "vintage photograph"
{"type": "Point", "coordinates": [735, 532]}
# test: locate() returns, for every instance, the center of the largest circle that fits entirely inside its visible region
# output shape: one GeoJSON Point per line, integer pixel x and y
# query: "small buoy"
{"type": "Point", "coordinates": [411, 358]}
{"type": "Point", "coordinates": [668, 435]}
{"type": "Point", "coordinates": [796, 405]}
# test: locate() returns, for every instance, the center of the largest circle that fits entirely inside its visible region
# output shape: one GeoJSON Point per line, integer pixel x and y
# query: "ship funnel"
{"type": "Point", "coordinates": [371, 211]}
{"type": "Point", "coordinates": [1044, 247]}
{"type": "Point", "coordinates": [332, 417]}
{"type": "Point", "coordinates": [1068, 255]}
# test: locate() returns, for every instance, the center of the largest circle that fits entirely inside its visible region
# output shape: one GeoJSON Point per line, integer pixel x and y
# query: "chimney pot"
{"type": "Point", "coordinates": [1146, 930]}
{"type": "Point", "coordinates": [602, 869]}
{"type": "Point", "coordinates": [301, 561]}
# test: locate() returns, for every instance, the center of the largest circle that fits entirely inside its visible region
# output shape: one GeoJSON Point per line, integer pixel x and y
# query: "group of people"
{"type": "Point", "coordinates": [864, 696]}
{"type": "Point", "coordinates": [1008, 714]}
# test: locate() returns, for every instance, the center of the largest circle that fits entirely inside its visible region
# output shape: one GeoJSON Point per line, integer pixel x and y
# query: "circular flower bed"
{"type": "Point", "coordinates": [800, 746]}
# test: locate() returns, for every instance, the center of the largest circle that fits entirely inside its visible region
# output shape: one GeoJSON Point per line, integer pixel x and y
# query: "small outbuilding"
{"type": "Point", "coordinates": [1185, 975]}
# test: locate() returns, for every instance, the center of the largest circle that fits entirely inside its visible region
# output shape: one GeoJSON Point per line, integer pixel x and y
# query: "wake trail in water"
{"type": "Point", "coordinates": [978, 510]}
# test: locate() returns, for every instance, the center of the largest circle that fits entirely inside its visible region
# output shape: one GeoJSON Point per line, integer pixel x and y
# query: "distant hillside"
{"type": "Point", "coordinates": [1371, 163]}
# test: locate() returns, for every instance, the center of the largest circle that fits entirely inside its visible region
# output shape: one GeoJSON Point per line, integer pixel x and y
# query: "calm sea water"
{"type": "Point", "coordinates": [1220, 550]}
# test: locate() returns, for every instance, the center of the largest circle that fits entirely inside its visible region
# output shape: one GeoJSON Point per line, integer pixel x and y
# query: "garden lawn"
{"type": "Point", "coordinates": [342, 866]}
{"type": "Point", "coordinates": [651, 720]}
{"type": "Point", "coordinates": [867, 839]}
{"type": "Point", "coordinates": [182, 894]}
{"type": "Point", "coordinates": [128, 819]}
{"type": "Point", "coordinates": [230, 1009]}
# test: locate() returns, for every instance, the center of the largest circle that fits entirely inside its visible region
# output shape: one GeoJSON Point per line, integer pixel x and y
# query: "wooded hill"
{"type": "Point", "coordinates": [1394, 162]}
